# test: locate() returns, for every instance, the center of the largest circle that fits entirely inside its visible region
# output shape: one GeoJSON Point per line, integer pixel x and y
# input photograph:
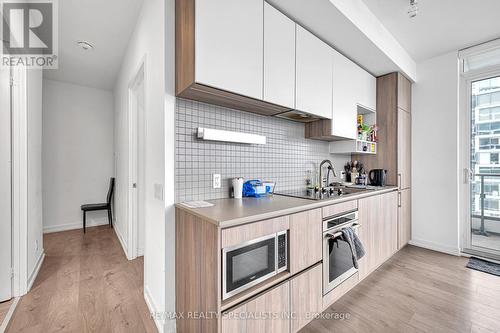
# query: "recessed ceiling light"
{"type": "Point", "coordinates": [413, 10]}
{"type": "Point", "coordinates": [85, 45]}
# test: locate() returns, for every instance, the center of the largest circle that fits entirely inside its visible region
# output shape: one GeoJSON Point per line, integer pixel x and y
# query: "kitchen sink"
{"type": "Point", "coordinates": [330, 192]}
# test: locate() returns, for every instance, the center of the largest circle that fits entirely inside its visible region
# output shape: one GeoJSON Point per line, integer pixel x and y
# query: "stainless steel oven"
{"type": "Point", "coordinates": [252, 262]}
{"type": "Point", "coordinates": [337, 254]}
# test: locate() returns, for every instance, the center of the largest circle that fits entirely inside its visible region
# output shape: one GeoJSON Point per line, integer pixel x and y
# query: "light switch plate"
{"type": "Point", "coordinates": [159, 191]}
{"type": "Point", "coordinates": [216, 180]}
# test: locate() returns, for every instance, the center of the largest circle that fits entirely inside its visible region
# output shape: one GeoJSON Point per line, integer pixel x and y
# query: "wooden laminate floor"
{"type": "Point", "coordinates": [418, 291]}
{"type": "Point", "coordinates": [86, 284]}
{"type": "Point", "coordinates": [4, 309]}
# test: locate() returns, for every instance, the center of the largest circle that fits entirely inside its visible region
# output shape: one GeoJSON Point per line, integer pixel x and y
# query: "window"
{"type": "Point", "coordinates": [488, 143]}
{"type": "Point", "coordinates": [488, 128]}
{"type": "Point", "coordinates": [494, 158]}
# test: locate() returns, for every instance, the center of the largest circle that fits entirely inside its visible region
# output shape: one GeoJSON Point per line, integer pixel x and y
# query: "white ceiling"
{"type": "Point", "coordinates": [107, 25]}
{"type": "Point", "coordinates": [441, 26]}
{"type": "Point", "coordinates": [328, 22]}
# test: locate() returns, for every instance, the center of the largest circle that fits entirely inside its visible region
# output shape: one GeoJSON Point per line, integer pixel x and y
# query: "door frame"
{"type": "Point", "coordinates": [133, 161]}
{"type": "Point", "coordinates": [19, 169]}
{"type": "Point", "coordinates": [9, 288]}
{"type": "Point", "coordinates": [465, 225]}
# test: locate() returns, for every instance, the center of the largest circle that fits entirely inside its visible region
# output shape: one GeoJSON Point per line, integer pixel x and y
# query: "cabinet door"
{"type": "Point", "coordinates": [313, 75]}
{"type": "Point", "coordinates": [388, 218]}
{"type": "Point", "coordinates": [275, 302]}
{"type": "Point", "coordinates": [404, 223]}
{"type": "Point", "coordinates": [345, 90]}
{"type": "Point", "coordinates": [404, 149]}
{"type": "Point", "coordinates": [306, 232]}
{"type": "Point", "coordinates": [378, 216]}
{"type": "Point", "coordinates": [369, 209]}
{"type": "Point", "coordinates": [306, 292]}
{"type": "Point", "coordinates": [404, 93]}
{"type": "Point", "coordinates": [367, 86]}
{"type": "Point", "coordinates": [279, 58]}
{"type": "Point", "coordinates": [229, 45]}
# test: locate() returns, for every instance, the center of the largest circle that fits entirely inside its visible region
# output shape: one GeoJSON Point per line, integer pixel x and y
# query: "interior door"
{"type": "Point", "coordinates": [5, 187]}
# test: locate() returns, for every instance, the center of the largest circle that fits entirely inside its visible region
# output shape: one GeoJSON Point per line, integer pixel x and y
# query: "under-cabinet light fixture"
{"type": "Point", "coordinates": [228, 136]}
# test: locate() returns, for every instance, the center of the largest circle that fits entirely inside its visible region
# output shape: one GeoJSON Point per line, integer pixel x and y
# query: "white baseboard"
{"type": "Point", "coordinates": [76, 225]}
{"type": "Point", "coordinates": [435, 247]}
{"type": "Point", "coordinates": [8, 316]}
{"type": "Point", "coordinates": [153, 309]}
{"type": "Point", "coordinates": [34, 274]}
{"type": "Point", "coordinates": [121, 239]}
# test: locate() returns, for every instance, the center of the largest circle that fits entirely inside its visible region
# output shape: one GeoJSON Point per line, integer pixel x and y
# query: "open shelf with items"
{"type": "Point", "coordinates": [353, 146]}
{"type": "Point", "coordinates": [366, 141]}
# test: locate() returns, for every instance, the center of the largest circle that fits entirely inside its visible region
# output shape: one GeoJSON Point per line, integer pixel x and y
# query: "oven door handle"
{"type": "Point", "coordinates": [339, 233]}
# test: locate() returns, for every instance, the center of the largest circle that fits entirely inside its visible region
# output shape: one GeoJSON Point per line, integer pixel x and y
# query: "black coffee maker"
{"type": "Point", "coordinates": [377, 177]}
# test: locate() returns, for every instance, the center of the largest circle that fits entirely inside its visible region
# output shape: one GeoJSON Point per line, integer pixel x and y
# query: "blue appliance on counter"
{"type": "Point", "coordinates": [256, 188]}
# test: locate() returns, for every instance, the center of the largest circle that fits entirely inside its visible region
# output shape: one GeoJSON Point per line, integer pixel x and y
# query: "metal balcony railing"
{"type": "Point", "coordinates": [482, 196]}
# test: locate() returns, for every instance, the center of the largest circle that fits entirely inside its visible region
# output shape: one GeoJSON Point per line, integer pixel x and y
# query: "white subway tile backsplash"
{"type": "Point", "coordinates": [284, 159]}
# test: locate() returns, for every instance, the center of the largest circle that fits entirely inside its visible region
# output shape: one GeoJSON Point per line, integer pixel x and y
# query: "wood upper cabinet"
{"type": "Point", "coordinates": [313, 75]}
{"type": "Point", "coordinates": [275, 301]}
{"type": "Point", "coordinates": [229, 45]}
{"type": "Point", "coordinates": [404, 149]}
{"type": "Point", "coordinates": [378, 216]}
{"type": "Point", "coordinates": [404, 93]}
{"type": "Point", "coordinates": [404, 218]}
{"type": "Point", "coordinates": [306, 296]}
{"type": "Point", "coordinates": [306, 232]}
{"type": "Point", "coordinates": [279, 58]}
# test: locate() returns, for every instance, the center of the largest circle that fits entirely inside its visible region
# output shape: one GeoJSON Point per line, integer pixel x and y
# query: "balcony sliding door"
{"type": "Point", "coordinates": [483, 226]}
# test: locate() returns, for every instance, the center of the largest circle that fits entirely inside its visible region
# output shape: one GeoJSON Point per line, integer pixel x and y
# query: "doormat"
{"type": "Point", "coordinates": [484, 266]}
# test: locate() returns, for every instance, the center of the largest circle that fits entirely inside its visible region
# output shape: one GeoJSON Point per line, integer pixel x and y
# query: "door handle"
{"type": "Point", "coordinates": [399, 180]}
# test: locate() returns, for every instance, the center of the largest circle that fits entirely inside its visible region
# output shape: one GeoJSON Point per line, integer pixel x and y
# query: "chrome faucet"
{"type": "Point", "coordinates": [330, 167]}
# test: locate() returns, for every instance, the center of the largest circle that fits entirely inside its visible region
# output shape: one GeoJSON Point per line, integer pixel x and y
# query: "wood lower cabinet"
{"type": "Point", "coordinates": [268, 313]}
{"type": "Point", "coordinates": [378, 216]}
{"type": "Point", "coordinates": [306, 292]}
{"type": "Point", "coordinates": [404, 218]}
{"type": "Point", "coordinates": [306, 232]}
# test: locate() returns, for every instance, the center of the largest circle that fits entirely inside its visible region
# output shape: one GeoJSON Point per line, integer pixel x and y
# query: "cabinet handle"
{"type": "Point", "coordinates": [399, 180]}
{"type": "Point", "coordinates": [399, 199]}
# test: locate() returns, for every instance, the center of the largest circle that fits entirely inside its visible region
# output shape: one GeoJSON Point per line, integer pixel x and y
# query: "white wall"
{"type": "Point", "coordinates": [148, 43]}
{"type": "Point", "coordinates": [34, 149]}
{"type": "Point", "coordinates": [435, 155]}
{"type": "Point", "coordinates": [77, 153]}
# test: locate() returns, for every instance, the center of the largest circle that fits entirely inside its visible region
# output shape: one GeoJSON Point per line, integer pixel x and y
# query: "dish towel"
{"type": "Point", "coordinates": [357, 249]}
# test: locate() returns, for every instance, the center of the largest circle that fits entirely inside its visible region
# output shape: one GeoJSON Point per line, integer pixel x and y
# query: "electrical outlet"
{"type": "Point", "coordinates": [216, 180]}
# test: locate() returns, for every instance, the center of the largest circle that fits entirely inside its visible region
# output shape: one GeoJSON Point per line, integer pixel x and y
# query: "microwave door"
{"type": "Point", "coordinates": [247, 265]}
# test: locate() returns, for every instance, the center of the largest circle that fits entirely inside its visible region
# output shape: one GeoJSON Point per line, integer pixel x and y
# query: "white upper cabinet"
{"type": "Point", "coordinates": [313, 75]}
{"type": "Point", "coordinates": [279, 58]}
{"type": "Point", "coordinates": [345, 97]}
{"type": "Point", "coordinates": [229, 45]}
{"type": "Point", "coordinates": [366, 85]}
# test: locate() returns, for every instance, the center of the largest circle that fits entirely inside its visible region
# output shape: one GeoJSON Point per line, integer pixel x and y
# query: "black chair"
{"type": "Point", "coordinates": [101, 206]}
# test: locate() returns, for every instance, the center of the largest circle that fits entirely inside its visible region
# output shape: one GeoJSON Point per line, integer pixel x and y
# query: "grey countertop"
{"type": "Point", "coordinates": [230, 212]}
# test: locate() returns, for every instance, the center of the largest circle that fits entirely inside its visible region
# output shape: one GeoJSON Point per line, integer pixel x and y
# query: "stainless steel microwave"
{"type": "Point", "coordinates": [247, 264]}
